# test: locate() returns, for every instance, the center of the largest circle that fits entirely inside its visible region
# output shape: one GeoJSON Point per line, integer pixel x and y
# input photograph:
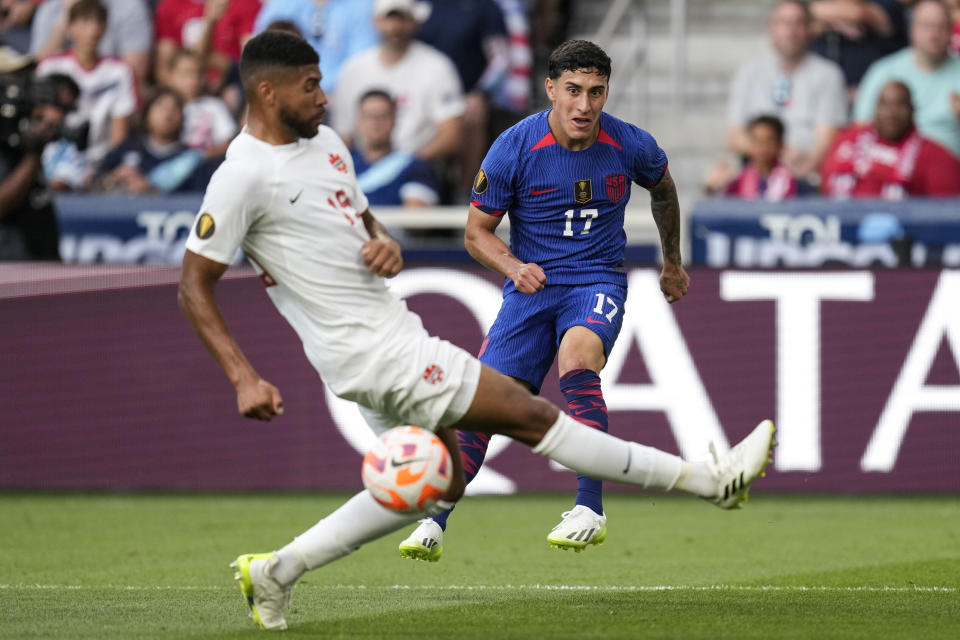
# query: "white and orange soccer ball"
{"type": "Point", "coordinates": [407, 470]}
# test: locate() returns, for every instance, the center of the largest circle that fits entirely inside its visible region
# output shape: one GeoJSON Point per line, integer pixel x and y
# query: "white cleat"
{"type": "Point", "coordinates": [266, 598]}
{"type": "Point", "coordinates": [740, 466]}
{"type": "Point", "coordinates": [425, 543]}
{"type": "Point", "coordinates": [581, 526]}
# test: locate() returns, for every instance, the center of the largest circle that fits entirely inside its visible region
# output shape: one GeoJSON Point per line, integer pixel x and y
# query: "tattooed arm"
{"type": "Point", "coordinates": [674, 281]}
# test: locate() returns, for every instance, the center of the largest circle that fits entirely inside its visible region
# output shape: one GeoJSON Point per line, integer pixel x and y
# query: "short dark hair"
{"type": "Point", "coordinates": [272, 50]}
{"type": "Point", "coordinates": [378, 93]}
{"type": "Point", "coordinates": [88, 9]}
{"type": "Point", "coordinates": [576, 55]}
{"type": "Point", "coordinates": [766, 120]}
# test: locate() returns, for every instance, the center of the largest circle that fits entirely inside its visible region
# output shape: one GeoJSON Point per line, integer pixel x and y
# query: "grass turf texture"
{"type": "Point", "coordinates": [81, 566]}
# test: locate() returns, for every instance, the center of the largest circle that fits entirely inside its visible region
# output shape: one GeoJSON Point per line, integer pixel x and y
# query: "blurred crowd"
{"type": "Point", "coordinates": [417, 89]}
{"type": "Point", "coordinates": [858, 98]}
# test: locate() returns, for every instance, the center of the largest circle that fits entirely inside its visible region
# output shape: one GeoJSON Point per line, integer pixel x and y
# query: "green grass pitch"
{"type": "Point", "coordinates": [130, 566]}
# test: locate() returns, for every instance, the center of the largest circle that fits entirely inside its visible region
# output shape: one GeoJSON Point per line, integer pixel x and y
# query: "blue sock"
{"type": "Point", "coordinates": [581, 388]}
{"type": "Point", "coordinates": [473, 449]}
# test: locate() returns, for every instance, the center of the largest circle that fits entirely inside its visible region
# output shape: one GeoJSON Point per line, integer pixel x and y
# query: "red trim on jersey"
{"type": "Point", "coordinates": [545, 141]}
{"type": "Point", "coordinates": [605, 138]}
{"type": "Point", "coordinates": [494, 212]}
{"type": "Point", "coordinates": [661, 176]}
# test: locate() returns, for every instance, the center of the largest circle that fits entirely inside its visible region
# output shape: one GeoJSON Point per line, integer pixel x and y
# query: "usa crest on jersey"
{"type": "Point", "coordinates": [616, 186]}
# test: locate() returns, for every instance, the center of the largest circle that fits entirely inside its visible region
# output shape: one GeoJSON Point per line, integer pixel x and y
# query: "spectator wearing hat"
{"type": "Point", "coordinates": [423, 82]}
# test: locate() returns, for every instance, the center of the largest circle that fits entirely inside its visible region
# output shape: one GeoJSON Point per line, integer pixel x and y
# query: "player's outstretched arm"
{"type": "Point", "coordinates": [486, 248]}
{"type": "Point", "coordinates": [674, 281]}
{"type": "Point", "coordinates": [256, 398]}
{"type": "Point", "coordinates": [380, 253]}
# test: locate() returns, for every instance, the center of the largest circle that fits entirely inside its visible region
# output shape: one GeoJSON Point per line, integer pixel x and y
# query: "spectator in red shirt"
{"type": "Point", "coordinates": [889, 159]}
{"type": "Point", "coordinates": [215, 29]}
{"type": "Point", "coordinates": [764, 177]}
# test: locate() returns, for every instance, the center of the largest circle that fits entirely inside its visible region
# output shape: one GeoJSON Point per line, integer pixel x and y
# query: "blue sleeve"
{"type": "Point", "coordinates": [493, 188]}
{"type": "Point", "coordinates": [650, 161]}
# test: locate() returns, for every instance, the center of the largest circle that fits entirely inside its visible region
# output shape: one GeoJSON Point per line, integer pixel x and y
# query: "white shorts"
{"type": "Point", "coordinates": [415, 378]}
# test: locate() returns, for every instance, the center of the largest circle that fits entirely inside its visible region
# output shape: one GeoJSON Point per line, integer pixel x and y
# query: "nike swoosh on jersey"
{"type": "Point", "coordinates": [592, 321]}
{"type": "Point", "coordinates": [296, 197]}
{"type": "Point", "coordinates": [534, 192]}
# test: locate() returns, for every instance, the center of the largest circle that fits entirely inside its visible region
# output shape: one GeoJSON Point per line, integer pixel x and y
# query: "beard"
{"type": "Point", "coordinates": [303, 128]}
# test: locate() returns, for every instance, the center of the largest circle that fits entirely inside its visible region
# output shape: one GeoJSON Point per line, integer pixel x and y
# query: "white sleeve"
{"type": "Point", "coordinates": [228, 211]}
{"type": "Point", "coordinates": [833, 99]}
{"type": "Point", "coordinates": [446, 99]}
{"type": "Point", "coordinates": [127, 99]}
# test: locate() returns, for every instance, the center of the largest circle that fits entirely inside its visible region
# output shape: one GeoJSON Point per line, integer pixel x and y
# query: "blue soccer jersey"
{"type": "Point", "coordinates": [566, 207]}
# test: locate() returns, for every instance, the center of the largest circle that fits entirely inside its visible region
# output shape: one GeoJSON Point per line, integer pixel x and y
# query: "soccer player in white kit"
{"type": "Point", "coordinates": [287, 195]}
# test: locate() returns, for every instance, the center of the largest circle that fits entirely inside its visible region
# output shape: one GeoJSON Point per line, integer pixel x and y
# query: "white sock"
{"type": "Point", "coordinates": [599, 455]}
{"type": "Point", "coordinates": [358, 521]}
{"type": "Point", "coordinates": [698, 478]}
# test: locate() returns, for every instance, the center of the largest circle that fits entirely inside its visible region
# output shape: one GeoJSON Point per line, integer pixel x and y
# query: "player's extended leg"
{"type": "Point", "coordinates": [502, 405]}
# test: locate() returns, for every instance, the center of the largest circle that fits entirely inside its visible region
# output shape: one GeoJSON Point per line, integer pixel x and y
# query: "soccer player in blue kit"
{"type": "Point", "coordinates": [563, 176]}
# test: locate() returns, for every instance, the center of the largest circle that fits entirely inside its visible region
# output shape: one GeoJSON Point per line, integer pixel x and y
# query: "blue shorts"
{"type": "Point", "coordinates": [524, 338]}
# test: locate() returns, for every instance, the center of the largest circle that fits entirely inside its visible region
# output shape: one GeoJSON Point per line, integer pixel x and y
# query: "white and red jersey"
{"type": "Point", "coordinates": [206, 123]}
{"type": "Point", "coordinates": [295, 211]}
{"type": "Point", "coordinates": [862, 164]}
{"type": "Point", "coordinates": [108, 90]}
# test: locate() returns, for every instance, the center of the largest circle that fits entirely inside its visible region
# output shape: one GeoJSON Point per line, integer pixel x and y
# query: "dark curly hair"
{"type": "Point", "coordinates": [272, 50]}
{"type": "Point", "coordinates": [576, 55]}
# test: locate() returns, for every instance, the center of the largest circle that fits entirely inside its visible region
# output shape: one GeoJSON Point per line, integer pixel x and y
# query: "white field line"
{"type": "Point", "coordinates": [509, 587]}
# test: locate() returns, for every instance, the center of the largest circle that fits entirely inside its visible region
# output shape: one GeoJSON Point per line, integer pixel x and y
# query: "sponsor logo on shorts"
{"type": "Point", "coordinates": [205, 226]}
{"type": "Point", "coordinates": [592, 321]}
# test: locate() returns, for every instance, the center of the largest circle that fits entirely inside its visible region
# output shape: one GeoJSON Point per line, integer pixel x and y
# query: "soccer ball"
{"type": "Point", "coordinates": [407, 470]}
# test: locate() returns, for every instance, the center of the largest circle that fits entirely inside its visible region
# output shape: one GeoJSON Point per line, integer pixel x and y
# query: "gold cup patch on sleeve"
{"type": "Point", "coordinates": [481, 183]}
{"type": "Point", "coordinates": [205, 226]}
{"type": "Point", "coordinates": [583, 191]}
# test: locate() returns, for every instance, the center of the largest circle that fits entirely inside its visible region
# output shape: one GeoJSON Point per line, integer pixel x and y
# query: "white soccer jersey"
{"type": "Point", "coordinates": [107, 91]}
{"type": "Point", "coordinates": [295, 210]}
